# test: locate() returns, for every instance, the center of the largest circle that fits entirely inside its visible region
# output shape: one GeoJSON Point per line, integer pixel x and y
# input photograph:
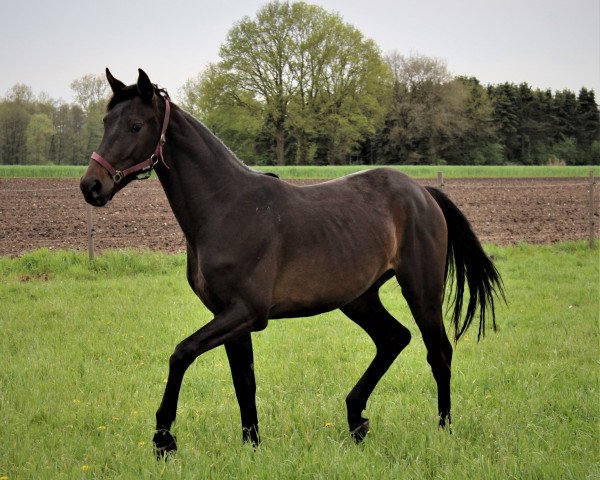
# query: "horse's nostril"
{"type": "Point", "coordinates": [95, 187]}
{"type": "Point", "coordinates": [89, 185]}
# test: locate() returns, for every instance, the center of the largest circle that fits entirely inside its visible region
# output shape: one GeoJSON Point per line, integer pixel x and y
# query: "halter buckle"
{"type": "Point", "coordinates": [143, 175]}
{"type": "Point", "coordinates": [118, 176]}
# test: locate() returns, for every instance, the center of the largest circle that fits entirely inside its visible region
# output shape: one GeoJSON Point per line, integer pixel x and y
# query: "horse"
{"type": "Point", "coordinates": [259, 248]}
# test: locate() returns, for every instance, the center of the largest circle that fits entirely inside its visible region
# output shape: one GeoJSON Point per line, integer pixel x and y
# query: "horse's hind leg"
{"type": "Point", "coordinates": [439, 356]}
{"type": "Point", "coordinates": [423, 289]}
{"type": "Point", "coordinates": [390, 338]}
{"type": "Point", "coordinates": [241, 362]}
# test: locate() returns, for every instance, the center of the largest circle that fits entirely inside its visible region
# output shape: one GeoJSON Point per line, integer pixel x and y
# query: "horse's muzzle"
{"type": "Point", "coordinates": [94, 192]}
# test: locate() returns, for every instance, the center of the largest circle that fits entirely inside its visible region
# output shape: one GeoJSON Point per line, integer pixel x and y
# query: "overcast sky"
{"type": "Point", "coordinates": [46, 44]}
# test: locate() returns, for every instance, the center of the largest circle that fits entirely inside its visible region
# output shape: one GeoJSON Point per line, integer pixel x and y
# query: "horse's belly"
{"type": "Point", "coordinates": [318, 284]}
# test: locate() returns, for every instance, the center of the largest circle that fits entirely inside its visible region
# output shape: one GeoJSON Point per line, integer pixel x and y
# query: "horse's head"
{"type": "Point", "coordinates": [132, 141]}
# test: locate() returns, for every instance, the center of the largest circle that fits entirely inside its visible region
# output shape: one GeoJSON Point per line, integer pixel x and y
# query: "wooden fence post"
{"type": "Point", "coordinates": [592, 239]}
{"type": "Point", "coordinates": [441, 179]}
{"type": "Point", "coordinates": [90, 231]}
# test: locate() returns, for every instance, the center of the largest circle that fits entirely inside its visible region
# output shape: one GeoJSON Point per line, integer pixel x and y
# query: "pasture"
{"type": "Point", "coordinates": [85, 361]}
{"type": "Point", "coordinates": [334, 171]}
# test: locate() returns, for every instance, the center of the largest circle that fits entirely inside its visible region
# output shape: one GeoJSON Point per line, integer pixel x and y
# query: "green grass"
{"type": "Point", "coordinates": [328, 172]}
{"type": "Point", "coordinates": [85, 349]}
{"type": "Point", "coordinates": [41, 171]}
{"type": "Point", "coordinates": [431, 171]}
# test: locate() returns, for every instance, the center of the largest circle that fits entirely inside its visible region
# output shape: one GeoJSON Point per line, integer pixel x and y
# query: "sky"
{"type": "Point", "coordinates": [46, 44]}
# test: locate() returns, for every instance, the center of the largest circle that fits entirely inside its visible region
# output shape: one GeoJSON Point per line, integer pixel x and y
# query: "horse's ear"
{"type": "Point", "coordinates": [115, 85]}
{"type": "Point", "coordinates": [144, 86]}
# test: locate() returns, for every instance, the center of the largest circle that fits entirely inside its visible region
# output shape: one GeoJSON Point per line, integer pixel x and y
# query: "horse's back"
{"type": "Point", "coordinates": [380, 196]}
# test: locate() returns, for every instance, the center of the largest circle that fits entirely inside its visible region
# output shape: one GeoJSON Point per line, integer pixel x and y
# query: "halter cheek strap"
{"type": "Point", "coordinates": [145, 166]}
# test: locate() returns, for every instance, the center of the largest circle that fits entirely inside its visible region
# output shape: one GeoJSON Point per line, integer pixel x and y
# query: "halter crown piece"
{"type": "Point", "coordinates": [147, 165]}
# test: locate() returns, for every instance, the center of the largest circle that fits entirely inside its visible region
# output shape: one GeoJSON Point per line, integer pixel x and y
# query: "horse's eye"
{"type": "Point", "coordinates": [136, 127]}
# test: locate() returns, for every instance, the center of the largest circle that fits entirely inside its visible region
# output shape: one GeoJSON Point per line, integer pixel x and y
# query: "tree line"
{"type": "Point", "coordinates": [298, 85]}
{"type": "Point", "coordinates": [36, 130]}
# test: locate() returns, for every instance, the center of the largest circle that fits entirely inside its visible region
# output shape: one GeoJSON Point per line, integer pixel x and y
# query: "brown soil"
{"type": "Point", "coordinates": [51, 213]}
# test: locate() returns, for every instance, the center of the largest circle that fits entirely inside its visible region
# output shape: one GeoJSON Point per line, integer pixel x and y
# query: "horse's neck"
{"type": "Point", "coordinates": [202, 174]}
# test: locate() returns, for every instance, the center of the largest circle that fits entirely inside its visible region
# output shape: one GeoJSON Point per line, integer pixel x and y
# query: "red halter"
{"type": "Point", "coordinates": [145, 166]}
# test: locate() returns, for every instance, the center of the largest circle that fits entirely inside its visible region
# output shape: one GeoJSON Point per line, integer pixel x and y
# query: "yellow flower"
{"type": "Point", "coordinates": [142, 443]}
{"type": "Point", "coordinates": [328, 424]}
{"type": "Point", "coordinates": [85, 468]}
{"type": "Point", "coordinates": [4, 477]}
{"type": "Point", "coordinates": [102, 427]}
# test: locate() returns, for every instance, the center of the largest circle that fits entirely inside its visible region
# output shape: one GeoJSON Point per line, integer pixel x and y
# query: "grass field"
{"type": "Point", "coordinates": [85, 349]}
{"type": "Point", "coordinates": [327, 172]}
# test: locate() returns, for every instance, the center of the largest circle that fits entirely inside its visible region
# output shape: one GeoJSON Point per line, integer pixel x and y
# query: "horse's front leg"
{"type": "Point", "coordinates": [241, 362]}
{"type": "Point", "coordinates": [232, 323]}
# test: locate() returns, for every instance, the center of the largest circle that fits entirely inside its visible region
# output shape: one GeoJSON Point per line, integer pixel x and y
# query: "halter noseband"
{"type": "Point", "coordinates": [145, 166]}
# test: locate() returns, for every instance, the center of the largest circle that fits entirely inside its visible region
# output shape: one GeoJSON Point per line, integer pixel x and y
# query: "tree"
{"type": "Point", "coordinates": [311, 80]}
{"type": "Point", "coordinates": [255, 58]}
{"type": "Point", "coordinates": [20, 93]}
{"type": "Point", "coordinates": [566, 111]}
{"type": "Point", "coordinates": [15, 110]}
{"type": "Point", "coordinates": [232, 113]}
{"type": "Point", "coordinates": [507, 119]}
{"type": "Point", "coordinates": [419, 73]}
{"type": "Point", "coordinates": [90, 90]}
{"type": "Point", "coordinates": [476, 142]}
{"type": "Point", "coordinates": [589, 119]}
{"type": "Point", "coordinates": [39, 135]}
{"type": "Point", "coordinates": [91, 95]}
{"type": "Point", "coordinates": [341, 82]}
{"type": "Point", "coordinates": [68, 145]}
{"type": "Point", "coordinates": [431, 116]}
{"type": "Point", "coordinates": [13, 138]}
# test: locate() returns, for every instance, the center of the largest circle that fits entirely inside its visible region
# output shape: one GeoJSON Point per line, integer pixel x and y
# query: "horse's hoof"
{"type": "Point", "coordinates": [164, 444]}
{"type": "Point", "coordinates": [445, 423]}
{"type": "Point", "coordinates": [360, 432]}
{"type": "Point", "coordinates": [250, 435]}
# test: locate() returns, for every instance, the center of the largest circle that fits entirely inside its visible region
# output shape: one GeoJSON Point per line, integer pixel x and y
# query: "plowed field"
{"type": "Point", "coordinates": [51, 213]}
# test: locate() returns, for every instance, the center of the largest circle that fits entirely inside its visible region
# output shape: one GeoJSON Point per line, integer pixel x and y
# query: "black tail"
{"type": "Point", "coordinates": [467, 260]}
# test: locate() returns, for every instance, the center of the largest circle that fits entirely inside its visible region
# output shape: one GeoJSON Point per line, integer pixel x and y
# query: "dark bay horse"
{"type": "Point", "coordinates": [259, 248]}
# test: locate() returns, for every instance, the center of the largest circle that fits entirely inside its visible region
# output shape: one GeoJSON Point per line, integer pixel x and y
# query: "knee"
{"type": "Point", "coordinates": [181, 358]}
{"type": "Point", "coordinates": [440, 365]}
{"type": "Point", "coordinates": [438, 351]}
